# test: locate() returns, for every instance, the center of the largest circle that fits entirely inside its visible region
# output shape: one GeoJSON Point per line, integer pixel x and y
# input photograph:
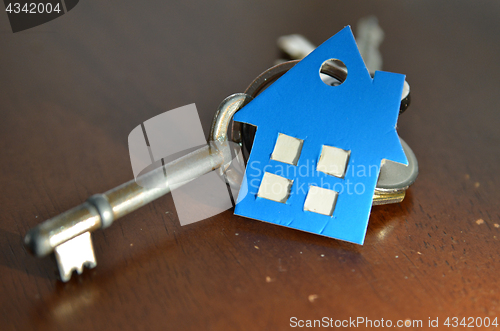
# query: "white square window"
{"type": "Point", "coordinates": [287, 149]}
{"type": "Point", "coordinates": [333, 161]}
{"type": "Point", "coordinates": [274, 187]}
{"type": "Point", "coordinates": [320, 200]}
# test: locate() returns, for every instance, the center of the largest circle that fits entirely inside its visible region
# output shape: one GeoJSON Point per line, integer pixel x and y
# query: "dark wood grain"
{"type": "Point", "coordinates": [71, 91]}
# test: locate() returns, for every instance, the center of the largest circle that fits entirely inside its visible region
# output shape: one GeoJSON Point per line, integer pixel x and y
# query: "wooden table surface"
{"type": "Point", "coordinates": [71, 91]}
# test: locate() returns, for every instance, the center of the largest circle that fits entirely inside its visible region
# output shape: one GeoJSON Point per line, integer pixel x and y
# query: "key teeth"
{"type": "Point", "coordinates": [75, 254]}
{"type": "Point", "coordinates": [79, 270]}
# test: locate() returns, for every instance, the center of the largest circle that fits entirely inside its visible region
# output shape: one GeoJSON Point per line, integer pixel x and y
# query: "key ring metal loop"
{"type": "Point", "coordinates": [227, 108]}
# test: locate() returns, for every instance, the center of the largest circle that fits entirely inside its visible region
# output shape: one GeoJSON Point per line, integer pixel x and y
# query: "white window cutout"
{"type": "Point", "coordinates": [274, 187]}
{"type": "Point", "coordinates": [333, 161]}
{"type": "Point", "coordinates": [320, 200]}
{"type": "Point", "coordinates": [287, 149]}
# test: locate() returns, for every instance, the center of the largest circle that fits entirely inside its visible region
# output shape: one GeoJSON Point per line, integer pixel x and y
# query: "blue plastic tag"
{"type": "Point", "coordinates": [340, 135]}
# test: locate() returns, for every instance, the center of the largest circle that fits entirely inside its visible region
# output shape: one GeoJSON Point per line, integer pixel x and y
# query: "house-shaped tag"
{"type": "Point", "coordinates": [318, 149]}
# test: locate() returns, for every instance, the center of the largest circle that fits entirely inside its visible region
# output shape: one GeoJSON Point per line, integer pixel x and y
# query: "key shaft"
{"type": "Point", "coordinates": [99, 211]}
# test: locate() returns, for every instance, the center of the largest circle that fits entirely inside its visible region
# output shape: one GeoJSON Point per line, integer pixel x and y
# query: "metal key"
{"type": "Point", "coordinates": [68, 234]}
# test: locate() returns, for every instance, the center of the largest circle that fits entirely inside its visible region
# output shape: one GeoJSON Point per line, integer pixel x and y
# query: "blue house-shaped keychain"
{"type": "Point", "coordinates": [318, 149]}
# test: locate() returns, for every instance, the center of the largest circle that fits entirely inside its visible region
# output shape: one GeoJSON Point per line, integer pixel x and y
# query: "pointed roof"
{"type": "Point", "coordinates": [360, 114]}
